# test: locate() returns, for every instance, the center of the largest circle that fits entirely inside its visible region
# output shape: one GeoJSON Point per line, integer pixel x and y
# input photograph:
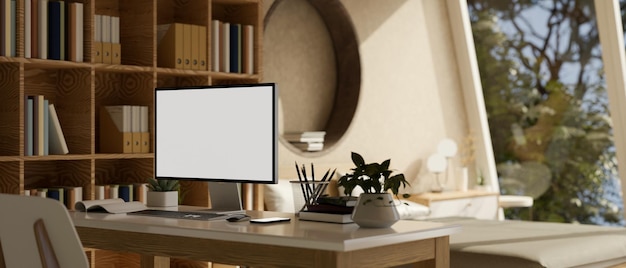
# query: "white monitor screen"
{"type": "Point", "coordinates": [218, 133]}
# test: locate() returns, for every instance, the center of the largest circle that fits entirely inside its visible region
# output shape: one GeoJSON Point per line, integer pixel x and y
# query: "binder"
{"type": "Point", "coordinates": [115, 135]}
{"type": "Point", "coordinates": [144, 129]}
{"type": "Point", "coordinates": [194, 45]}
{"type": "Point", "coordinates": [106, 40]}
{"type": "Point", "coordinates": [170, 47]}
{"type": "Point", "coordinates": [97, 45]}
{"type": "Point", "coordinates": [135, 123]}
{"type": "Point", "coordinates": [202, 45]}
{"type": "Point", "coordinates": [116, 48]}
{"type": "Point", "coordinates": [187, 44]}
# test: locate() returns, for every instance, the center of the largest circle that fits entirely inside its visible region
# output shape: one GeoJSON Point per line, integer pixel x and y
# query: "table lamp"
{"type": "Point", "coordinates": [447, 148]}
{"type": "Point", "coordinates": [437, 164]}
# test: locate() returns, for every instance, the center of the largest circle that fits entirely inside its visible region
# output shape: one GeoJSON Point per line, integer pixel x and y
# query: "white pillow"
{"type": "Point", "coordinates": [409, 210]}
{"type": "Point", "coordinates": [278, 197]}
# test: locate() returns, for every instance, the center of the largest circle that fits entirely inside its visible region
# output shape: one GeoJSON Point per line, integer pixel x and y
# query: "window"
{"type": "Point", "coordinates": [545, 89]}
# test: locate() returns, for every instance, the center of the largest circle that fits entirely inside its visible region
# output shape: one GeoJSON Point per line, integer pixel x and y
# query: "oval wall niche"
{"type": "Point", "coordinates": [310, 50]}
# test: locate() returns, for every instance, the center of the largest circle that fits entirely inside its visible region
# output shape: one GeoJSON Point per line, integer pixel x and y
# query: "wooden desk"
{"type": "Point", "coordinates": [291, 244]}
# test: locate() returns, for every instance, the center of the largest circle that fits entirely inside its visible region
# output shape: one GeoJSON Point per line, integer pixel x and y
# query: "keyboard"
{"type": "Point", "coordinates": [189, 215]}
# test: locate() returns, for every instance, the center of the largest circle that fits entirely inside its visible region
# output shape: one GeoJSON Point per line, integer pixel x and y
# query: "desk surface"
{"type": "Point", "coordinates": [296, 233]}
{"type": "Point", "coordinates": [307, 243]}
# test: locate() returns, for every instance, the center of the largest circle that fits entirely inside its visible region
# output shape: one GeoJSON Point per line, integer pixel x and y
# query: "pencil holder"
{"type": "Point", "coordinates": [306, 193]}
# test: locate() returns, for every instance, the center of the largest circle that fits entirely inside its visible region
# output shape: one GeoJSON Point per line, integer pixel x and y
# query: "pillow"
{"type": "Point", "coordinates": [278, 197]}
{"type": "Point", "coordinates": [410, 210]}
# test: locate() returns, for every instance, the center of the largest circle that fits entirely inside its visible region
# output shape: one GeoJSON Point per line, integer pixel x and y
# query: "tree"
{"type": "Point", "coordinates": [547, 107]}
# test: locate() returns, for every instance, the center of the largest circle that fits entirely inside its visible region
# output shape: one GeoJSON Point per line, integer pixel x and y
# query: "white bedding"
{"type": "Point", "coordinates": [489, 243]}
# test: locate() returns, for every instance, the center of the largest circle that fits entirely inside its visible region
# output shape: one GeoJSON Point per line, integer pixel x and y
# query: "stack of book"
{"type": "Point", "coordinates": [336, 209]}
{"type": "Point", "coordinates": [308, 141]}
{"type": "Point", "coordinates": [53, 29]}
{"type": "Point", "coordinates": [43, 134]}
{"type": "Point", "coordinates": [232, 47]}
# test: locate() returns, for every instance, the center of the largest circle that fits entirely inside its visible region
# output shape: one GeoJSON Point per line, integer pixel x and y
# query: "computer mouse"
{"type": "Point", "coordinates": [239, 217]}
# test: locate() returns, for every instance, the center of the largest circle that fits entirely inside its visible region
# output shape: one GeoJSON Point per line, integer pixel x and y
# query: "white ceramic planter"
{"type": "Point", "coordinates": [375, 211]}
{"type": "Point", "coordinates": [162, 199]}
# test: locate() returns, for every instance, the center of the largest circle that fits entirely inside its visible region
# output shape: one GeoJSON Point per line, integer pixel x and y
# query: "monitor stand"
{"type": "Point", "coordinates": [225, 198]}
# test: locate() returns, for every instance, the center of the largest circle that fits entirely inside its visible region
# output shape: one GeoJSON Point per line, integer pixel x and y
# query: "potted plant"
{"type": "Point", "coordinates": [375, 206]}
{"type": "Point", "coordinates": [162, 193]}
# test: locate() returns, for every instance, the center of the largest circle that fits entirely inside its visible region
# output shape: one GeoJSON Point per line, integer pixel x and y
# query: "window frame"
{"type": "Point", "coordinates": [611, 42]}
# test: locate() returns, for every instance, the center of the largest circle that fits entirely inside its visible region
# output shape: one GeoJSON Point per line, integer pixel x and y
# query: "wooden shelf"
{"type": "Point", "coordinates": [79, 89]}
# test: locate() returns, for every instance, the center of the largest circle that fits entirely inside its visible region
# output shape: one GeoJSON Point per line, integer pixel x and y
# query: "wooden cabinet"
{"type": "Point", "coordinates": [475, 204]}
{"type": "Point", "coordinates": [79, 89]}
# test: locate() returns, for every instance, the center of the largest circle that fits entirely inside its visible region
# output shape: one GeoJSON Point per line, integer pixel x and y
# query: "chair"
{"type": "Point", "coordinates": [37, 232]}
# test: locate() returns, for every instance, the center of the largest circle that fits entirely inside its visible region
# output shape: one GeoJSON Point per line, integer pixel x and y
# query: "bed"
{"type": "Point", "coordinates": [510, 244]}
{"type": "Point", "coordinates": [492, 243]}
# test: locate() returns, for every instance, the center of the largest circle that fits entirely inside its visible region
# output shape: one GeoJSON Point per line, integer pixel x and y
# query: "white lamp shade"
{"type": "Point", "coordinates": [436, 163]}
{"type": "Point", "coordinates": [447, 147]}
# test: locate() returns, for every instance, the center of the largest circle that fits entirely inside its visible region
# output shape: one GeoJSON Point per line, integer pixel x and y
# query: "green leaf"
{"type": "Point", "coordinates": [357, 159]}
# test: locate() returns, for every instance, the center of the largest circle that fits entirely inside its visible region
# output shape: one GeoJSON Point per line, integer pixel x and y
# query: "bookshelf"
{"type": "Point", "coordinates": [79, 89]}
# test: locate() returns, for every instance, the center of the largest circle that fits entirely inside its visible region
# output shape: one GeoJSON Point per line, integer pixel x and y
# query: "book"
{"type": "Point", "coordinates": [325, 217]}
{"type": "Point", "coordinates": [309, 146]}
{"type": "Point", "coordinates": [326, 208]}
{"type": "Point", "coordinates": [112, 205]}
{"type": "Point", "coordinates": [34, 31]}
{"type": "Point", "coordinates": [42, 29]}
{"type": "Point", "coordinates": [54, 30]}
{"type": "Point", "coordinates": [347, 201]}
{"type": "Point", "coordinates": [235, 48]}
{"type": "Point", "coordinates": [247, 50]}
{"type": "Point", "coordinates": [57, 144]}
{"type": "Point", "coordinates": [215, 45]}
{"type": "Point", "coordinates": [13, 29]}
{"type": "Point", "coordinates": [38, 122]}
{"type": "Point", "coordinates": [57, 193]}
{"type": "Point", "coordinates": [28, 125]}
{"type": "Point", "coordinates": [73, 194]}
{"type": "Point", "coordinates": [125, 192]}
{"type": "Point", "coordinates": [225, 47]}
{"type": "Point", "coordinates": [306, 136]}
{"type": "Point", "coordinates": [27, 28]}
{"type": "Point", "coordinates": [46, 127]}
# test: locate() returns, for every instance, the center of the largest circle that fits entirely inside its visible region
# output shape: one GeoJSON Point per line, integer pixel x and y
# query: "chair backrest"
{"type": "Point", "coordinates": [38, 232]}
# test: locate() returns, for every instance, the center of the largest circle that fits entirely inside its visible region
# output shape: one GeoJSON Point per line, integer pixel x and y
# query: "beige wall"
{"type": "Point", "coordinates": [410, 95]}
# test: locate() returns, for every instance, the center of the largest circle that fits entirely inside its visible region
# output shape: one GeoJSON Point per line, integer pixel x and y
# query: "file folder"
{"type": "Point", "coordinates": [115, 135]}
{"type": "Point", "coordinates": [170, 46]}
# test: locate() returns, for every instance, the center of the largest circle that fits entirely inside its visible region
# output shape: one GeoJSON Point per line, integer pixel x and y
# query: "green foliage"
{"type": "Point", "coordinates": [548, 103]}
{"type": "Point", "coordinates": [372, 177]}
{"type": "Point", "coordinates": [163, 185]}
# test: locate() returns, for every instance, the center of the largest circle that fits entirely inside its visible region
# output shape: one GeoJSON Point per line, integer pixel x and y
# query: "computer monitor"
{"type": "Point", "coordinates": [225, 135]}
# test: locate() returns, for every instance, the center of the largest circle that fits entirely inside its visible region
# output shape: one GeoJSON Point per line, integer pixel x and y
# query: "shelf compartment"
{"type": "Point", "coordinates": [10, 109]}
{"type": "Point", "coordinates": [166, 80]}
{"type": "Point", "coordinates": [70, 92]}
{"type": "Point", "coordinates": [10, 177]}
{"type": "Point", "coordinates": [115, 171]}
{"type": "Point", "coordinates": [136, 29]}
{"type": "Point", "coordinates": [43, 174]}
